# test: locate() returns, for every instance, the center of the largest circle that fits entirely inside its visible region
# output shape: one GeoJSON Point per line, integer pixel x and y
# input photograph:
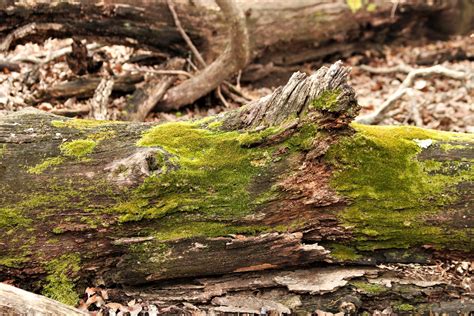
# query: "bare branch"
{"type": "Point", "coordinates": [232, 60]}
{"type": "Point", "coordinates": [379, 114]}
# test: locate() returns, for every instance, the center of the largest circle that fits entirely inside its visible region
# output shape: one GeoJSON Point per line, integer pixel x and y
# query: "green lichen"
{"type": "Point", "coordinates": [62, 273]}
{"type": "Point", "coordinates": [327, 101]}
{"type": "Point", "coordinates": [343, 253]}
{"type": "Point", "coordinates": [370, 288]}
{"type": "Point", "coordinates": [78, 148]}
{"type": "Point", "coordinates": [47, 163]}
{"type": "Point", "coordinates": [394, 194]}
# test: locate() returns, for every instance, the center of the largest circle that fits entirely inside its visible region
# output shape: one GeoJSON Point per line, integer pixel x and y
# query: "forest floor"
{"type": "Point", "coordinates": [433, 102]}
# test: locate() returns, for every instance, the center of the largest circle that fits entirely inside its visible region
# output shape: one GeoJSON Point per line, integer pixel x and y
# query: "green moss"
{"type": "Point", "coordinates": [62, 273]}
{"type": "Point", "coordinates": [354, 5]}
{"type": "Point", "coordinates": [404, 307]}
{"type": "Point", "coordinates": [215, 125]}
{"type": "Point", "coordinates": [81, 123]}
{"type": "Point", "coordinates": [12, 262]}
{"type": "Point", "coordinates": [185, 229]}
{"type": "Point", "coordinates": [57, 230]}
{"type": "Point", "coordinates": [327, 101]}
{"type": "Point", "coordinates": [369, 288]}
{"type": "Point", "coordinates": [393, 193]}
{"type": "Point", "coordinates": [449, 147]}
{"type": "Point", "coordinates": [212, 174]}
{"type": "Point", "coordinates": [303, 139]}
{"type": "Point", "coordinates": [343, 253]}
{"type": "Point", "coordinates": [101, 135]}
{"type": "Point", "coordinates": [12, 218]}
{"type": "Point", "coordinates": [47, 163]}
{"type": "Point", "coordinates": [78, 148]}
{"type": "Point", "coordinates": [249, 139]}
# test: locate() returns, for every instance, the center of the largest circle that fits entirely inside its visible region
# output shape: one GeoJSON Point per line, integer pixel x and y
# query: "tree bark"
{"type": "Point", "coordinates": [282, 183]}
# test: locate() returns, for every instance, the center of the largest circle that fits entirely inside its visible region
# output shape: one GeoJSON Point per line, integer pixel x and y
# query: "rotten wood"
{"type": "Point", "coordinates": [148, 207]}
{"type": "Point", "coordinates": [85, 87]}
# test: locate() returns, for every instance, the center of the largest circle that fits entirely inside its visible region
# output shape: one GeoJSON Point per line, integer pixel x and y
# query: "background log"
{"type": "Point", "coordinates": [323, 28]}
{"type": "Point", "coordinates": [284, 182]}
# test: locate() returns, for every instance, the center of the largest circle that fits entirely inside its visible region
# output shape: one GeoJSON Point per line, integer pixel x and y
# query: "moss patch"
{"type": "Point", "coordinates": [327, 101]}
{"type": "Point", "coordinates": [393, 192]}
{"type": "Point", "coordinates": [81, 123]}
{"type": "Point", "coordinates": [62, 273]}
{"type": "Point", "coordinates": [47, 163]}
{"type": "Point", "coordinates": [78, 148]}
{"type": "Point", "coordinates": [369, 288]}
{"type": "Point", "coordinates": [12, 218]}
{"type": "Point", "coordinates": [343, 253]}
{"type": "Point", "coordinates": [212, 175]}
{"type": "Point", "coordinates": [404, 307]}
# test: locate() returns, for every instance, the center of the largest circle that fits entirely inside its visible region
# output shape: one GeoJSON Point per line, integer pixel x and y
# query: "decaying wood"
{"type": "Point", "coordinates": [145, 98]}
{"type": "Point", "coordinates": [235, 56]}
{"type": "Point", "coordinates": [85, 87]}
{"type": "Point", "coordinates": [156, 220]}
{"type": "Point", "coordinates": [15, 301]}
{"type": "Point", "coordinates": [267, 33]}
{"type": "Point", "coordinates": [99, 102]}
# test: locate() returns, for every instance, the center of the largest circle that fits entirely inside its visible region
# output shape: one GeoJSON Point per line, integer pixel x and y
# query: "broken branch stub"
{"type": "Point", "coordinates": [323, 97]}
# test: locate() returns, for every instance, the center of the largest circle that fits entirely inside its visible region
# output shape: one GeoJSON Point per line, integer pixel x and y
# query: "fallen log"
{"type": "Point", "coordinates": [284, 182]}
{"type": "Point", "coordinates": [84, 87]}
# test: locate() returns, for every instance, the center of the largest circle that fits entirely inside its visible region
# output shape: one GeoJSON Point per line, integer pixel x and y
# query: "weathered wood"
{"type": "Point", "coordinates": [15, 301]}
{"type": "Point", "coordinates": [323, 28]}
{"type": "Point", "coordinates": [284, 182]}
{"type": "Point", "coordinates": [84, 87]}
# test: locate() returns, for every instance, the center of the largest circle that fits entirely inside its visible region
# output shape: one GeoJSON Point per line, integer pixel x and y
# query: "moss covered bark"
{"type": "Point", "coordinates": [139, 203]}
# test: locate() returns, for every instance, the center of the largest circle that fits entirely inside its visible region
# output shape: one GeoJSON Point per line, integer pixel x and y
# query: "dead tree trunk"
{"type": "Point", "coordinates": [283, 197]}
{"type": "Point", "coordinates": [323, 28]}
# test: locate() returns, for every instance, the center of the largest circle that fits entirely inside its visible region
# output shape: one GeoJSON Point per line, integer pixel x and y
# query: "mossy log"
{"type": "Point", "coordinates": [284, 196]}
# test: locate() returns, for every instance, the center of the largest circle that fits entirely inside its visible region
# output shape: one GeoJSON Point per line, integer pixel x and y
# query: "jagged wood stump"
{"type": "Point", "coordinates": [283, 197]}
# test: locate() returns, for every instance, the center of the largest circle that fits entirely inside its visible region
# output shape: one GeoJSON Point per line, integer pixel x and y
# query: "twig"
{"type": "Point", "coordinates": [381, 71]}
{"type": "Point", "coordinates": [378, 115]}
{"type": "Point", "coordinates": [185, 36]}
{"type": "Point", "coordinates": [167, 72]}
{"type": "Point", "coordinates": [27, 30]}
{"type": "Point", "coordinates": [81, 110]}
{"type": "Point", "coordinates": [221, 97]}
{"type": "Point", "coordinates": [56, 54]}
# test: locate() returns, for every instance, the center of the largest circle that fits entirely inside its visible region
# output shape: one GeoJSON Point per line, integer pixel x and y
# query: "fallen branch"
{"type": "Point", "coordinates": [25, 30]}
{"type": "Point", "coordinates": [379, 114]}
{"type": "Point", "coordinates": [85, 87]}
{"type": "Point", "coordinates": [234, 58]}
{"type": "Point", "coordinates": [145, 98]}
